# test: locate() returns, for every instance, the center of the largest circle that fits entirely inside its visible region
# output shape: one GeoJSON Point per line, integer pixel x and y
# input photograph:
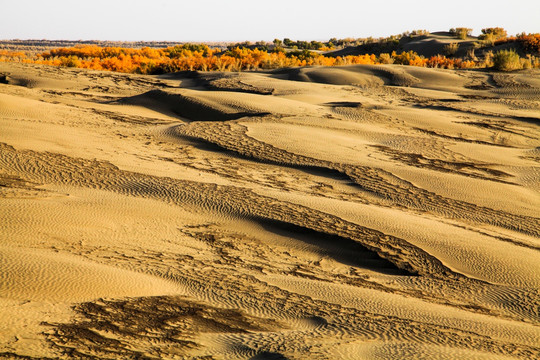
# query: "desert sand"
{"type": "Point", "coordinates": [357, 212]}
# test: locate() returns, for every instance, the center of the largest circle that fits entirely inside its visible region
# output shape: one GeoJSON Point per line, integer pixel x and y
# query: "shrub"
{"type": "Point", "coordinates": [488, 59]}
{"type": "Point", "coordinates": [487, 40]}
{"type": "Point", "coordinates": [71, 61]}
{"type": "Point", "coordinates": [506, 60]}
{"type": "Point", "coordinates": [470, 55]}
{"type": "Point", "coordinates": [408, 58]}
{"type": "Point", "coordinates": [419, 33]}
{"type": "Point", "coordinates": [451, 48]}
{"type": "Point", "coordinates": [526, 63]}
{"type": "Point", "coordinates": [461, 32]}
{"type": "Point", "coordinates": [385, 58]}
{"type": "Point", "coordinates": [493, 34]}
{"type": "Point", "coordinates": [530, 43]}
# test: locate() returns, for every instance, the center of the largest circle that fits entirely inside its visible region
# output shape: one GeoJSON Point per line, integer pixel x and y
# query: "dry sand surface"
{"type": "Point", "coordinates": [361, 212]}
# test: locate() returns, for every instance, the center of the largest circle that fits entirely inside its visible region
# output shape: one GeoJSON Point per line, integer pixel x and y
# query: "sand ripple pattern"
{"type": "Point", "coordinates": [233, 137]}
{"type": "Point", "coordinates": [48, 167]}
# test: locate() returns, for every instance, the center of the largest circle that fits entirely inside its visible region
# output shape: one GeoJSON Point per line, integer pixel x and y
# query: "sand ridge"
{"type": "Point", "coordinates": [350, 212]}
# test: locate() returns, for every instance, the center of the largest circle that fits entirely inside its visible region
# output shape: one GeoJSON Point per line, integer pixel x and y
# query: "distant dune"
{"type": "Point", "coordinates": [355, 212]}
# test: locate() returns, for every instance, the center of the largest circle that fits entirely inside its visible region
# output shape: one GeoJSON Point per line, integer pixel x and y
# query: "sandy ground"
{"type": "Point", "coordinates": [362, 212]}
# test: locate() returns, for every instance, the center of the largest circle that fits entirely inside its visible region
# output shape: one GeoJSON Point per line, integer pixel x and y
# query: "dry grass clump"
{"type": "Point", "coordinates": [451, 49]}
{"type": "Point", "coordinates": [507, 60]}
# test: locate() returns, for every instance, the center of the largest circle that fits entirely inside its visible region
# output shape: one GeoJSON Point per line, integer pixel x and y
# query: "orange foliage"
{"type": "Point", "coordinates": [200, 57]}
{"type": "Point", "coordinates": [188, 57]}
{"type": "Point", "coordinates": [7, 55]}
{"type": "Point", "coordinates": [530, 43]}
{"type": "Point", "coordinates": [408, 58]}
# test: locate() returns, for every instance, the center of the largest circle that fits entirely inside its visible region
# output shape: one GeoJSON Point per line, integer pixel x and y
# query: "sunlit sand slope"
{"type": "Point", "coordinates": [360, 212]}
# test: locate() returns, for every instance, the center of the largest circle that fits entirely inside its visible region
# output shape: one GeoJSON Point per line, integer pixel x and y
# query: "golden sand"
{"type": "Point", "coordinates": [360, 212]}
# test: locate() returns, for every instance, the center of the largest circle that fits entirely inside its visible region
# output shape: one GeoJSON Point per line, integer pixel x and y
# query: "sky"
{"type": "Point", "coordinates": [253, 20]}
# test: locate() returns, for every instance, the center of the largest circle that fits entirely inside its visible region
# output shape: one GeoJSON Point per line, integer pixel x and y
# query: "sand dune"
{"type": "Point", "coordinates": [357, 212]}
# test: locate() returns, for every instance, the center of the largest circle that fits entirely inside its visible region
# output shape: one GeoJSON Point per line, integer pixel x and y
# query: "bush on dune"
{"type": "Point", "coordinates": [529, 43]}
{"type": "Point", "coordinates": [461, 32]}
{"type": "Point", "coordinates": [451, 49]}
{"type": "Point", "coordinates": [507, 60]}
{"type": "Point", "coordinates": [493, 34]}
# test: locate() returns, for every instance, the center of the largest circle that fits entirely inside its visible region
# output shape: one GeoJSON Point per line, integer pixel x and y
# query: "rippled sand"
{"type": "Point", "coordinates": [360, 212]}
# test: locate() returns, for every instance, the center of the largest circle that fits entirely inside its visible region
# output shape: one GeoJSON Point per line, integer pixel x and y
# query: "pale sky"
{"type": "Point", "coordinates": [238, 20]}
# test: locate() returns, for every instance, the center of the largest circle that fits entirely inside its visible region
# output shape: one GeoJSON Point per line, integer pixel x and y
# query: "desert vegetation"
{"type": "Point", "coordinates": [529, 43]}
{"type": "Point", "coordinates": [451, 48]}
{"type": "Point", "coordinates": [190, 57]}
{"type": "Point", "coordinates": [507, 60]}
{"type": "Point", "coordinates": [261, 55]}
{"type": "Point", "coordinates": [461, 32]}
{"type": "Point", "coordinates": [490, 35]}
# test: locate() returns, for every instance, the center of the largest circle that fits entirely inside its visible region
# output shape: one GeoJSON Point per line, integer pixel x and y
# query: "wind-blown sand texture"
{"type": "Point", "coordinates": [360, 212]}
